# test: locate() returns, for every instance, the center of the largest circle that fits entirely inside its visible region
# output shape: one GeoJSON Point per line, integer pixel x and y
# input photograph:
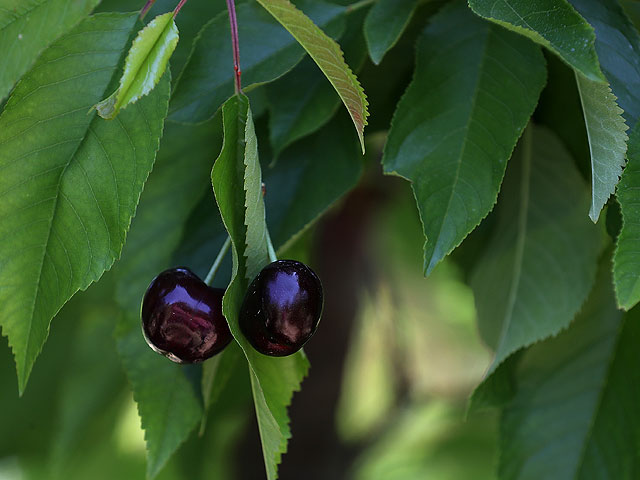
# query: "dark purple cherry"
{"type": "Point", "coordinates": [281, 308]}
{"type": "Point", "coordinates": [182, 317]}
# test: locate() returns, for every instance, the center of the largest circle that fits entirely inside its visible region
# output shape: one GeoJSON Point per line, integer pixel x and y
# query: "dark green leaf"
{"type": "Point", "coordinates": [459, 120]}
{"type": "Point", "coordinates": [541, 263]}
{"type": "Point", "coordinates": [327, 55]}
{"type": "Point", "coordinates": [267, 52]}
{"type": "Point", "coordinates": [626, 261]}
{"type": "Point", "coordinates": [145, 64]}
{"type": "Point", "coordinates": [618, 47]}
{"type": "Point", "coordinates": [295, 112]}
{"type": "Point", "coordinates": [236, 179]}
{"type": "Point", "coordinates": [574, 414]}
{"type": "Point", "coordinates": [552, 23]}
{"type": "Point", "coordinates": [70, 181]}
{"type": "Point", "coordinates": [309, 177]}
{"type": "Point", "coordinates": [384, 25]}
{"type": "Point", "coordinates": [29, 26]}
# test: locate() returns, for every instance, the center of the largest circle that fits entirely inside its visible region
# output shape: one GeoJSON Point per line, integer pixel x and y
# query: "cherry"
{"type": "Point", "coordinates": [182, 317]}
{"type": "Point", "coordinates": [281, 308]}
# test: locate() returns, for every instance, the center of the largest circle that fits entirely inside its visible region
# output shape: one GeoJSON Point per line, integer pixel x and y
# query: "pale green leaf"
{"type": "Point", "coordinates": [552, 23]}
{"type": "Point", "coordinates": [145, 64]}
{"type": "Point", "coordinates": [575, 415]}
{"type": "Point", "coordinates": [626, 261]}
{"type": "Point", "coordinates": [607, 140]}
{"type": "Point", "coordinates": [458, 122]}
{"type": "Point", "coordinates": [176, 184]}
{"type": "Point", "coordinates": [384, 25]}
{"type": "Point", "coordinates": [327, 55]}
{"type": "Point", "coordinates": [541, 263]}
{"type": "Point", "coordinates": [266, 53]}
{"type": "Point", "coordinates": [236, 182]}
{"type": "Point", "coordinates": [29, 26]}
{"type": "Point", "coordinates": [618, 48]}
{"type": "Point", "coordinates": [70, 181]}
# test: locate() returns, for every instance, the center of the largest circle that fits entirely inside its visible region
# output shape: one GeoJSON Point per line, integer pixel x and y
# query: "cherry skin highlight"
{"type": "Point", "coordinates": [182, 317]}
{"type": "Point", "coordinates": [282, 308]}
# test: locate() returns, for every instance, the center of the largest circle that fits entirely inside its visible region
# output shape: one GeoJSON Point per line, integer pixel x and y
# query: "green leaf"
{"type": "Point", "coordinates": [309, 177]}
{"type": "Point", "coordinates": [145, 64]}
{"type": "Point", "coordinates": [618, 47]}
{"type": "Point", "coordinates": [575, 411]}
{"type": "Point", "coordinates": [384, 25]}
{"type": "Point", "coordinates": [552, 23]}
{"type": "Point", "coordinates": [267, 52]}
{"type": "Point", "coordinates": [541, 263]}
{"type": "Point", "coordinates": [327, 55]}
{"type": "Point", "coordinates": [236, 180]}
{"type": "Point", "coordinates": [458, 122]}
{"type": "Point", "coordinates": [295, 112]}
{"type": "Point", "coordinates": [174, 187]}
{"type": "Point", "coordinates": [626, 260]}
{"type": "Point", "coordinates": [70, 181]}
{"type": "Point", "coordinates": [167, 403]}
{"type": "Point", "coordinates": [607, 140]}
{"type": "Point", "coordinates": [29, 26]}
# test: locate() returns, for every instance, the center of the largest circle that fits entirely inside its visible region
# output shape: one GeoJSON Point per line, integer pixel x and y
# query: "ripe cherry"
{"type": "Point", "coordinates": [281, 308]}
{"type": "Point", "coordinates": [182, 317]}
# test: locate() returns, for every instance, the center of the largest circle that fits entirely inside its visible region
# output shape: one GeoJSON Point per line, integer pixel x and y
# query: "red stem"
{"type": "Point", "coordinates": [146, 8]}
{"type": "Point", "coordinates": [233, 21]}
{"type": "Point", "coordinates": [177, 9]}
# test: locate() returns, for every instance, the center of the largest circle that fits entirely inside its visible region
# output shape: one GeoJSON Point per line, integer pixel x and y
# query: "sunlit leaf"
{"type": "Point", "coordinates": [29, 26]}
{"type": "Point", "coordinates": [145, 64]}
{"type": "Point", "coordinates": [70, 181]}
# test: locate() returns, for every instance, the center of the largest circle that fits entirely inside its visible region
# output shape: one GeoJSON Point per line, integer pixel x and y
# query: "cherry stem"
{"type": "Point", "coordinates": [177, 9]}
{"type": "Point", "coordinates": [216, 263]}
{"type": "Point", "coordinates": [233, 21]}
{"type": "Point", "coordinates": [146, 8]}
{"type": "Point", "coordinates": [272, 252]}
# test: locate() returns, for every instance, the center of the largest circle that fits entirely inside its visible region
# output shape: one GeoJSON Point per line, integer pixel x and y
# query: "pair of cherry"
{"type": "Point", "coordinates": [182, 316]}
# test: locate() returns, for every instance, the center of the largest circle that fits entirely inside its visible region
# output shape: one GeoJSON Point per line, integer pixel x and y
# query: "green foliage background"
{"type": "Point", "coordinates": [512, 125]}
